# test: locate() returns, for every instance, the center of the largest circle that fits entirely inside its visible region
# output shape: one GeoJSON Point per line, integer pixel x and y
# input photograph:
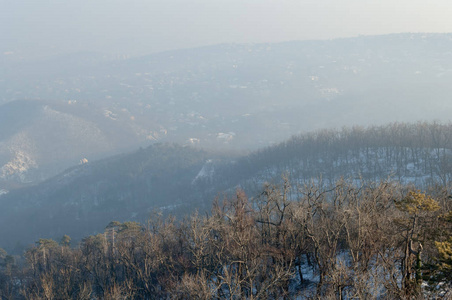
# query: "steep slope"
{"type": "Point", "coordinates": [39, 139]}
{"type": "Point", "coordinates": [179, 179]}
{"type": "Point", "coordinates": [85, 198]}
{"type": "Point", "coordinates": [419, 154]}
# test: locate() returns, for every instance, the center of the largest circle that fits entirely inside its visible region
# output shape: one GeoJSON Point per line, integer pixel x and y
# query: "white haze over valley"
{"type": "Point", "coordinates": [302, 131]}
{"type": "Point", "coordinates": [84, 80]}
{"type": "Point", "coordinates": [105, 77]}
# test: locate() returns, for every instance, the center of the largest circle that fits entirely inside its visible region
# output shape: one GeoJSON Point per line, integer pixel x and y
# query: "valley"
{"type": "Point", "coordinates": [305, 169]}
{"type": "Point", "coordinates": [233, 97]}
{"type": "Point", "coordinates": [175, 180]}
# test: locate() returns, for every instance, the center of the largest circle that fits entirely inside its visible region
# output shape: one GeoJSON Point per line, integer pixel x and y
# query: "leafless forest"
{"type": "Point", "coordinates": [342, 241]}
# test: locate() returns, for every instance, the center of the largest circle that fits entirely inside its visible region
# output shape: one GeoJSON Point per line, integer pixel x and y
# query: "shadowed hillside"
{"type": "Point", "coordinates": [179, 179]}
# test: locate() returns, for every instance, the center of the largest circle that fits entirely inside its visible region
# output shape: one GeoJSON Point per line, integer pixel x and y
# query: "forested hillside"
{"type": "Point", "coordinates": [225, 150]}
{"type": "Point", "coordinates": [86, 197]}
{"type": "Point", "coordinates": [345, 241]}
{"type": "Point", "coordinates": [58, 111]}
{"type": "Point", "coordinates": [417, 153]}
{"type": "Point", "coordinates": [178, 180]}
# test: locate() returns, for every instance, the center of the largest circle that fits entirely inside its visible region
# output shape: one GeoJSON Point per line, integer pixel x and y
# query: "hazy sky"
{"type": "Point", "coordinates": [138, 27]}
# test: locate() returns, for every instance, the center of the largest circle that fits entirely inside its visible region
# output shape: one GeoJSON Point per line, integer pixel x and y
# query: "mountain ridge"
{"type": "Point", "coordinates": [179, 179]}
{"type": "Point", "coordinates": [238, 97]}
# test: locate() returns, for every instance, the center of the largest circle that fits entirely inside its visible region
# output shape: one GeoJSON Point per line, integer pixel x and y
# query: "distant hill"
{"type": "Point", "coordinates": [419, 154]}
{"type": "Point", "coordinates": [179, 179]}
{"type": "Point", "coordinates": [39, 139]}
{"type": "Point", "coordinates": [86, 197]}
{"type": "Point", "coordinates": [229, 97]}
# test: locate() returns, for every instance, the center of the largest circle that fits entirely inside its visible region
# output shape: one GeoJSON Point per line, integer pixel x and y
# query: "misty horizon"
{"type": "Point", "coordinates": [32, 29]}
{"type": "Point", "coordinates": [211, 149]}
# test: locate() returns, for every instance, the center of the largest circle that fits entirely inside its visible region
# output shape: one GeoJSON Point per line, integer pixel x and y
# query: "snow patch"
{"type": "Point", "coordinates": [3, 192]}
{"type": "Point", "coordinates": [18, 166]}
{"type": "Point", "coordinates": [207, 172]}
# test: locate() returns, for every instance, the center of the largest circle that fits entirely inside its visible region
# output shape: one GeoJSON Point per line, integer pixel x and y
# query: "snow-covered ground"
{"type": "Point", "coordinates": [426, 167]}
